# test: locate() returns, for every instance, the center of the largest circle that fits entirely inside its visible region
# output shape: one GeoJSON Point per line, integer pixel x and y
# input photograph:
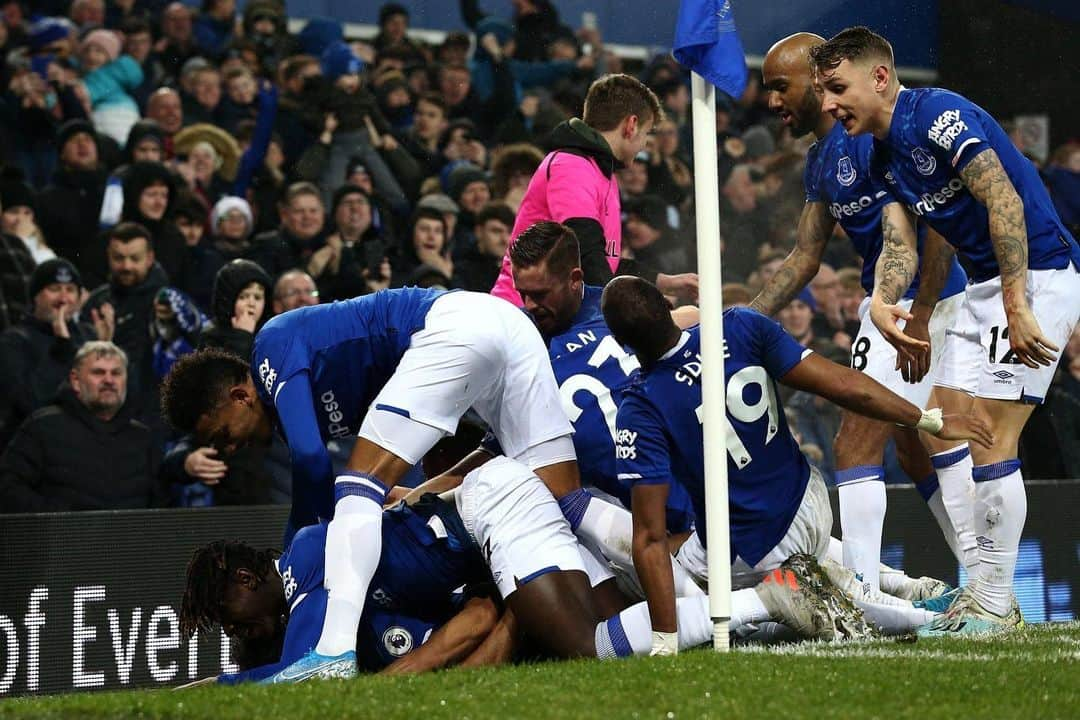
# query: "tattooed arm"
{"type": "Point", "coordinates": [988, 183]}
{"type": "Point", "coordinates": [934, 264]}
{"type": "Point", "coordinates": [892, 276]}
{"type": "Point", "coordinates": [815, 229]}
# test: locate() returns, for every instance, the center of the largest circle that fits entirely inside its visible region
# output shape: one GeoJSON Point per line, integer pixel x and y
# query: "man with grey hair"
{"type": "Point", "coordinates": [106, 459]}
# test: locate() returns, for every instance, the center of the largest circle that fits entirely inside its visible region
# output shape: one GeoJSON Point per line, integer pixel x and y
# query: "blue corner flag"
{"type": "Point", "coordinates": [707, 43]}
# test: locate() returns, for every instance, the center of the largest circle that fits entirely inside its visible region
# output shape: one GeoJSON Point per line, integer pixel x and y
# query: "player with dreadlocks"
{"type": "Point", "coordinates": [413, 619]}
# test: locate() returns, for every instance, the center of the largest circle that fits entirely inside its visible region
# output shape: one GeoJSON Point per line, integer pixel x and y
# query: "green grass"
{"type": "Point", "coordinates": [1031, 674]}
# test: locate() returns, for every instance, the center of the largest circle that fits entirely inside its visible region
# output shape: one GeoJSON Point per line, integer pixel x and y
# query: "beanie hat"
{"type": "Point", "coordinates": [48, 30]}
{"type": "Point", "coordinates": [15, 193]}
{"type": "Point", "coordinates": [652, 211]}
{"type": "Point", "coordinates": [440, 202]}
{"type": "Point", "coordinates": [356, 164]}
{"type": "Point", "coordinates": [460, 178]}
{"type": "Point", "coordinates": [229, 281]}
{"type": "Point", "coordinates": [56, 270]}
{"type": "Point", "coordinates": [805, 296]}
{"type": "Point", "coordinates": [226, 204]}
{"type": "Point", "coordinates": [759, 141]}
{"type": "Point", "coordinates": [72, 128]}
{"type": "Point", "coordinates": [344, 191]}
{"type": "Point", "coordinates": [339, 59]}
{"type": "Point", "coordinates": [107, 40]}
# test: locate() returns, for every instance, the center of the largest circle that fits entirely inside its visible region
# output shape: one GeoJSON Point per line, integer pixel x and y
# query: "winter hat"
{"type": "Point", "coordinates": [356, 164]}
{"type": "Point", "coordinates": [651, 210]}
{"type": "Point", "coordinates": [224, 145]}
{"type": "Point", "coordinates": [344, 191]}
{"type": "Point", "coordinates": [72, 128]}
{"type": "Point", "coordinates": [141, 131]}
{"type": "Point", "coordinates": [807, 297]}
{"type": "Point", "coordinates": [229, 281]}
{"type": "Point", "coordinates": [461, 177]}
{"type": "Point", "coordinates": [440, 202]}
{"type": "Point", "coordinates": [227, 204]}
{"type": "Point", "coordinates": [759, 141]}
{"type": "Point", "coordinates": [56, 270]}
{"type": "Point", "coordinates": [15, 193]}
{"type": "Point", "coordinates": [107, 40]}
{"type": "Point", "coordinates": [48, 30]}
{"type": "Point", "coordinates": [320, 33]}
{"type": "Point", "coordinates": [339, 59]}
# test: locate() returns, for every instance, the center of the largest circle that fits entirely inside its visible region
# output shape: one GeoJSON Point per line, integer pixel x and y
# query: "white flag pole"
{"type": "Point", "coordinates": [714, 418]}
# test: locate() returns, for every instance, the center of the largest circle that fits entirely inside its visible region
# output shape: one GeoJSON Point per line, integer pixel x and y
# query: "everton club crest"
{"type": "Point", "coordinates": [925, 163]}
{"type": "Point", "coordinates": [845, 171]}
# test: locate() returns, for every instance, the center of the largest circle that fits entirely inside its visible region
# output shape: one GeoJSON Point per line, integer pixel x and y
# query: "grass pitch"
{"type": "Point", "coordinates": [1030, 674]}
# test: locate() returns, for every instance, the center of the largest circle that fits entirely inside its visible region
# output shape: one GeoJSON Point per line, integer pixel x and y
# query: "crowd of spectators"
{"type": "Point", "coordinates": [172, 178]}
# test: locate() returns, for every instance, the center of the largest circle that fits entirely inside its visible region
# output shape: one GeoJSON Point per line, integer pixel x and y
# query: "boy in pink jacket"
{"type": "Point", "coordinates": [576, 185]}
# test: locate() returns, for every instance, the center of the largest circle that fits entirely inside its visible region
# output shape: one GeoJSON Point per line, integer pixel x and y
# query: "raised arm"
{"type": "Point", "coordinates": [988, 183]}
{"type": "Point", "coordinates": [815, 227]}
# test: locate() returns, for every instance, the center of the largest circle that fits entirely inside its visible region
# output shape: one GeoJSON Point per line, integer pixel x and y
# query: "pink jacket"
{"type": "Point", "coordinates": [566, 185]}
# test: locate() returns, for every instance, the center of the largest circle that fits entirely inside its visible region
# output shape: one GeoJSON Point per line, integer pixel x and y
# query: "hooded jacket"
{"type": "Point", "coordinates": [70, 225]}
{"type": "Point", "coordinates": [574, 185]}
{"type": "Point", "coordinates": [231, 279]}
{"type": "Point", "coordinates": [100, 465]}
{"type": "Point", "coordinates": [170, 250]}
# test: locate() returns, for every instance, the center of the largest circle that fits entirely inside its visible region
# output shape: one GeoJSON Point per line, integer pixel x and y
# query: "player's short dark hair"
{"type": "Point", "coordinates": [639, 316]}
{"type": "Point", "coordinates": [208, 574]}
{"type": "Point", "coordinates": [547, 242]}
{"type": "Point", "coordinates": [196, 385]}
{"type": "Point", "coordinates": [125, 232]}
{"type": "Point", "coordinates": [854, 43]}
{"type": "Point", "coordinates": [612, 98]}
{"type": "Point", "coordinates": [496, 211]}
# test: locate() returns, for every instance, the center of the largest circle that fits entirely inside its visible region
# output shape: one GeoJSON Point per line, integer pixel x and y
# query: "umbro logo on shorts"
{"type": "Point", "coordinates": [1004, 374]}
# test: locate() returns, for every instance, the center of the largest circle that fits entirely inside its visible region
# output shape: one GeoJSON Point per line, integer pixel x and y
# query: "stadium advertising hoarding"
{"type": "Point", "coordinates": [91, 601]}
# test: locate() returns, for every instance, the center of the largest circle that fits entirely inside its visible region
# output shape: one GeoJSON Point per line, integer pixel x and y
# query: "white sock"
{"type": "Point", "coordinates": [611, 528]}
{"type": "Point", "coordinates": [953, 469]}
{"type": "Point", "coordinates": [892, 615]}
{"type": "Point", "coordinates": [630, 632]}
{"type": "Point", "coordinates": [353, 547]}
{"type": "Point", "coordinates": [890, 580]}
{"type": "Point", "coordinates": [862, 515]}
{"type": "Point", "coordinates": [930, 490]}
{"type": "Point", "coordinates": [1000, 512]}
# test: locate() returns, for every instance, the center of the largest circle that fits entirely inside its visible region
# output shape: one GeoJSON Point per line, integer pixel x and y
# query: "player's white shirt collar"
{"type": "Point", "coordinates": [678, 346]}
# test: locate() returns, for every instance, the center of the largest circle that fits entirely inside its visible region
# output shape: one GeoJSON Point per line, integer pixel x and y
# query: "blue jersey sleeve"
{"type": "Point", "coordinates": [777, 351]}
{"type": "Point", "coordinates": [953, 126]}
{"type": "Point", "coordinates": [311, 467]}
{"type": "Point", "coordinates": [642, 452]}
{"type": "Point", "coordinates": [811, 176]}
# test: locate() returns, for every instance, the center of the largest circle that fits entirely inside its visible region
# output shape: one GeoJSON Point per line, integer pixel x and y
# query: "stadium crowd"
{"type": "Point", "coordinates": [173, 178]}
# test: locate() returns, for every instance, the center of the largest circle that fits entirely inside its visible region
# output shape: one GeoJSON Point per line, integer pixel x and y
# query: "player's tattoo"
{"type": "Point", "coordinates": [896, 265]}
{"type": "Point", "coordinates": [934, 267]}
{"type": "Point", "coordinates": [799, 268]}
{"type": "Point", "coordinates": [988, 183]}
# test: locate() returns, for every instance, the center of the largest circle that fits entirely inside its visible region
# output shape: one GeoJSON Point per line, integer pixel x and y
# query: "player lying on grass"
{"type": "Point", "coordinates": [778, 503]}
{"type": "Point", "coordinates": [415, 619]}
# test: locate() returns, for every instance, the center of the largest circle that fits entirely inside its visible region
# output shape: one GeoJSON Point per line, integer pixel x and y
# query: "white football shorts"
{"type": "Point", "coordinates": [517, 523]}
{"type": "Point", "coordinates": [978, 359]}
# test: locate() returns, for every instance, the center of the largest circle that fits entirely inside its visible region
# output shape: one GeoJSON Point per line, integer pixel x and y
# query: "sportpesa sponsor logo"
{"type": "Point", "coordinates": [928, 202]}
{"type": "Point", "coordinates": [838, 210]}
{"type": "Point", "coordinates": [947, 128]}
{"type": "Point", "coordinates": [334, 415]}
{"type": "Point", "coordinates": [267, 375]}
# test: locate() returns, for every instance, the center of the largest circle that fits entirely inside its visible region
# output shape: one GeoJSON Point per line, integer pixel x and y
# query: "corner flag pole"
{"type": "Point", "coordinates": [713, 411]}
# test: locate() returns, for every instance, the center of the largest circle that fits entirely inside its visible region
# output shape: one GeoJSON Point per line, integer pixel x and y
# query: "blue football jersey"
{"type": "Point", "coordinates": [593, 371]}
{"type": "Point", "coordinates": [426, 558]}
{"type": "Point", "coordinates": [838, 174]}
{"type": "Point", "coordinates": [320, 368]}
{"type": "Point", "coordinates": [934, 135]}
{"type": "Point", "coordinates": [660, 437]}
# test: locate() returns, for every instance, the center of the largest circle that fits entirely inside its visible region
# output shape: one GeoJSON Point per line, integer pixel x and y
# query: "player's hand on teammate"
{"type": "Point", "coordinates": [914, 367]}
{"type": "Point", "coordinates": [1027, 340]}
{"type": "Point", "coordinates": [684, 286]}
{"type": "Point", "coordinates": [966, 427]}
{"type": "Point", "coordinates": [202, 464]}
{"type": "Point", "coordinates": [909, 350]}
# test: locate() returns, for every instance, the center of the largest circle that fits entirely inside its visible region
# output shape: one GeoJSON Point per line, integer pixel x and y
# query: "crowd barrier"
{"type": "Point", "coordinates": [91, 600]}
